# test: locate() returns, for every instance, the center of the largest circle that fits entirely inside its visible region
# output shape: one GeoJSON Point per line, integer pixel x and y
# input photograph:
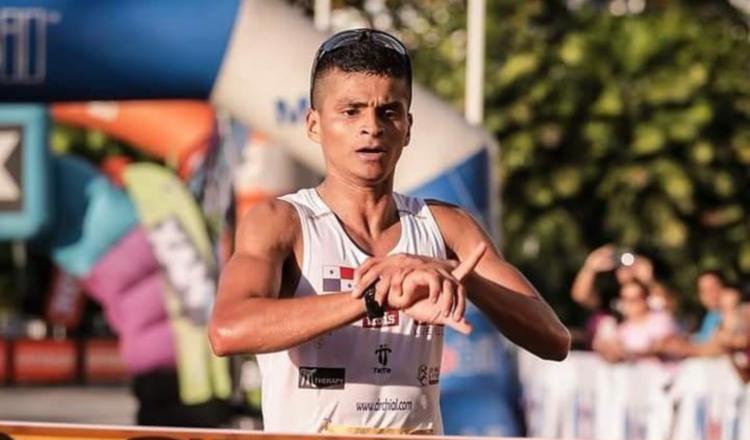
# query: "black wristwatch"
{"type": "Point", "coordinates": [374, 309]}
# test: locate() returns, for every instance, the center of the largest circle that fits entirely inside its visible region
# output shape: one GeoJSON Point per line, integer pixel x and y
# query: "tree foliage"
{"type": "Point", "coordinates": [631, 129]}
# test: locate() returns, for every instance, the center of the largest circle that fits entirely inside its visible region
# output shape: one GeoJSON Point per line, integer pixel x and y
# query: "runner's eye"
{"type": "Point", "coordinates": [390, 113]}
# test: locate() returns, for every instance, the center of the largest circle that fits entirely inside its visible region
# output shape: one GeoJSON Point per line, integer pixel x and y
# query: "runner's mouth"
{"type": "Point", "coordinates": [371, 150]}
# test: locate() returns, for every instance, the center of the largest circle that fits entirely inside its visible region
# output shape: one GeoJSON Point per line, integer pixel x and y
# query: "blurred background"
{"type": "Point", "coordinates": [604, 143]}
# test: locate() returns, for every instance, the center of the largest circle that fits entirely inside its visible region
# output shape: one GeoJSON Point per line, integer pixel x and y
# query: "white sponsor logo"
{"type": "Point", "coordinates": [428, 375]}
{"type": "Point", "coordinates": [423, 329]}
{"type": "Point", "coordinates": [388, 320]}
{"type": "Point", "coordinates": [320, 377]}
{"type": "Point", "coordinates": [24, 32]}
{"type": "Point", "coordinates": [291, 111]}
{"type": "Point", "coordinates": [187, 272]}
{"type": "Point", "coordinates": [9, 189]}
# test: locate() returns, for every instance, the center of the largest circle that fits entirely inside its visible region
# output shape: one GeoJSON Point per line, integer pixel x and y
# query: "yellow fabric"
{"type": "Point", "coordinates": [343, 429]}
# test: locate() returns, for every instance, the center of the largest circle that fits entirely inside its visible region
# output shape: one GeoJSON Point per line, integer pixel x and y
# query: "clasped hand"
{"type": "Point", "coordinates": [426, 289]}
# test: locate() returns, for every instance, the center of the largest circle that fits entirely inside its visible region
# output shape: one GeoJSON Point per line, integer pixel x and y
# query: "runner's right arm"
{"type": "Point", "coordinates": [251, 313]}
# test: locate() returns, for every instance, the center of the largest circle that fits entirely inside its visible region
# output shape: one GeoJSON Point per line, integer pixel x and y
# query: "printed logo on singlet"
{"type": "Point", "coordinates": [320, 377]}
{"type": "Point", "coordinates": [428, 375]}
{"type": "Point", "coordinates": [382, 355]}
{"type": "Point", "coordinates": [338, 278]}
{"type": "Point", "coordinates": [424, 329]}
{"type": "Point", "coordinates": [388, 320]}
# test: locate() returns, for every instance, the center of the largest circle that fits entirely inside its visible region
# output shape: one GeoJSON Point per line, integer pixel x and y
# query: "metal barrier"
{"type": "Point", "coordinates": [586, 397]}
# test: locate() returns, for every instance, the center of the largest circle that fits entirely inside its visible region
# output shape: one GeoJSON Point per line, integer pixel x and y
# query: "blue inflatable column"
{"type": "Point", "coordinates": [24, 171]}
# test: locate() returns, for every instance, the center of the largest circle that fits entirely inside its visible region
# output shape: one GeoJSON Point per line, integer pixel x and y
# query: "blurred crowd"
{"type": "Point", "coordinates": [633, 314]}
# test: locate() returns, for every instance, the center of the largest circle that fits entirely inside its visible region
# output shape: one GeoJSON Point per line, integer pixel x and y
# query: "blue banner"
{"type": "Point", "coordinates": [112, 49]}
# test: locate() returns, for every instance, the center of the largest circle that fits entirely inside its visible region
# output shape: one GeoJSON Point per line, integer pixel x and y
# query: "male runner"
{"type": "Point", "coordinates": [343, 290]}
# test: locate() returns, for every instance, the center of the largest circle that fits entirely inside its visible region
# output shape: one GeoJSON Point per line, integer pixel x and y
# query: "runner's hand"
{"type": "Point", "coordinates": [390, 272]}
{"type": "Point", "coordinates": [451, 305]}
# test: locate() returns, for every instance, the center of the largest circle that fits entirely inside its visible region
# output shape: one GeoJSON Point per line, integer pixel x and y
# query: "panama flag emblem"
{"type": "Point", "coordinates": [338, 278]}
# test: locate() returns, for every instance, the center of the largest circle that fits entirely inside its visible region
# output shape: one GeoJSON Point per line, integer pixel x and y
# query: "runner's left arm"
{"type": "Point", "coordinates": [497, 288]}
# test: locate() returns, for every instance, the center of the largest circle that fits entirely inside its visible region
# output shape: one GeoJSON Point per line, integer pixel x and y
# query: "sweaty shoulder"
{"type": "Point", "coordinates": [460, 230]}
{"type": "Point", "coordinates": [270, 228]}
{"type": "Point", "coordinates": [449, 215]}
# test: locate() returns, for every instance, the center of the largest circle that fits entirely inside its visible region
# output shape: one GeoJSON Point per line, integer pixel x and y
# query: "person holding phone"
{"type": "Point", "coordinates": [640, 331]}
{"type": "Point", "coordinates": [598, 295]}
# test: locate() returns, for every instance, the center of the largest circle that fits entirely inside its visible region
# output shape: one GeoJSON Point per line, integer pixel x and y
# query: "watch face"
{"type": "Point", "coordinates": [374, 310]}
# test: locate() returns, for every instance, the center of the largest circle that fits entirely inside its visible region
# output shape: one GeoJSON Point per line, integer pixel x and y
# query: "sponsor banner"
{"type": "Point", "coordinates": [102, 361]}
{"type": "Point", "coordinates": [178, 235]}
{"type": "Point", "coordinates": [39, 37]}
{"type": "Point", "coordinates": [586, 397]}
{"type": "Point", "coordinates": [322, 377]}
{"type": "Point", "coordinates": [44, 361]}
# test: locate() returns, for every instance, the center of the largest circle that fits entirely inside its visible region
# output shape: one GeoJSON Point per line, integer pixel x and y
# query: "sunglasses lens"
{"type": "Point", "coordinates": [346, 38]}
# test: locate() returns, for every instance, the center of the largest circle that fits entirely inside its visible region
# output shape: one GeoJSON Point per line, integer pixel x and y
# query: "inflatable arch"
{"type": "Point", "coordinates": [198, 50]}
{"type": "Point", "coordinates": [95, 230]}
{"type": "Point", "coordinates": [178, 132]}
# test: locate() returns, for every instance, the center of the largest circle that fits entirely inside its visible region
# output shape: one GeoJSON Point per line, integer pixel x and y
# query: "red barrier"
{"type": "Point", "coordinates": [102, 362]}
{"type": "Point", "coordinates": [44, 361]}
{"type": "Point", "coordinates": [3, 361]}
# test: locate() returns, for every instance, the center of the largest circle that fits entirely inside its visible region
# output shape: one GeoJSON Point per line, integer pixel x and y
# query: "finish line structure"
{"type": "Point", "coordinates": [51, 431]}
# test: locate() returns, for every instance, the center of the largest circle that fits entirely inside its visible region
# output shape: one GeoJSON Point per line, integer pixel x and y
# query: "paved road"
{"type": "Point", "coordinates": [99, 405]}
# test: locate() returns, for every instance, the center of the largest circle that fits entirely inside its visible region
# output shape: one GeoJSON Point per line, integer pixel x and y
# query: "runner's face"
{"type": "Point", "coordinates": [362, 122]}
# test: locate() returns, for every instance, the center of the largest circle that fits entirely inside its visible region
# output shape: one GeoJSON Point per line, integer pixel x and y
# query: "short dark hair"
{"type": "Point", "coordinates": [362, 56]}
{"type": "Point", "coordinates": [715, 273]}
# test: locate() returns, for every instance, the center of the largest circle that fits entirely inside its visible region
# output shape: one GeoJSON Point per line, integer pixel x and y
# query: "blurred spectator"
{"type": "Point", "coordinates": [725, 329]}
{"type": "Point", "coordinates": [662, 298]}
{"type": "Point", "coordinates": [640, 330]}
{"type": "Point", "coordinates": [626, 266]}
{"type": "Point", "coordinates": [731, 312]}
{"type": "Point", "coordinates": [733, 334]}
{"type": "Point", "coordinates": [709, 285]}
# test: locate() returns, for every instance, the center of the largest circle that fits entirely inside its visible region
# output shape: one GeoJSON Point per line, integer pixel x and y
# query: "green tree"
{"type": "Point", "coordinates": [631, 129]}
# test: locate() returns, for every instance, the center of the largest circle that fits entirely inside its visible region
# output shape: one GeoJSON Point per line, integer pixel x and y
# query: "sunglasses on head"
{"type": "Point", "coordinates": [347, 38]}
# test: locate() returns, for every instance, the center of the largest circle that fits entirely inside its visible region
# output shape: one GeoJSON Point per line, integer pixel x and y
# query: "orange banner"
{"type": "Point", "coordinates": [173, 130]}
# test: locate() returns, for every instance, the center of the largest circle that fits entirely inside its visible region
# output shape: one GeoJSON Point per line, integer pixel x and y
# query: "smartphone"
{"type": "Point", "coordinates": [623, 257]}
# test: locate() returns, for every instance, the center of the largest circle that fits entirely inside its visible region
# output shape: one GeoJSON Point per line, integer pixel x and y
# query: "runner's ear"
{"type": "Point", "coordinates": [312, 125]}
{"type": "Point", "coordinates": [408, 130]}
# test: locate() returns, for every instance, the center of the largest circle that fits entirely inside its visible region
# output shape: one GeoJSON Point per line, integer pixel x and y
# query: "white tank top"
{"type": "Point", "coordinates": [373, 376]}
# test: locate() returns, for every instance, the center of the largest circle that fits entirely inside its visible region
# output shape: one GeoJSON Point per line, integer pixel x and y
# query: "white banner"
{"type": "Point", "coordinates": [586, 397]}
